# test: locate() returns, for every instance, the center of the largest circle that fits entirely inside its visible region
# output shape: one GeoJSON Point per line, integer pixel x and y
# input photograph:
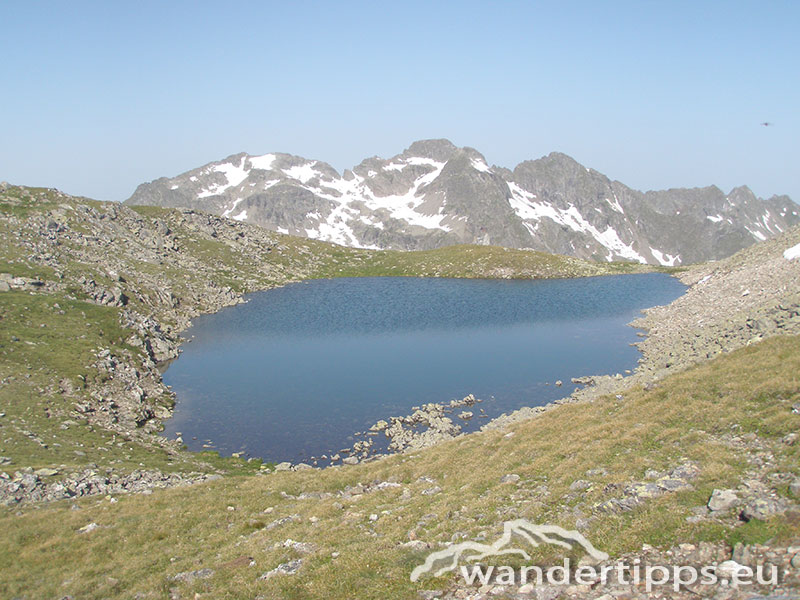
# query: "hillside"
{"type": "Point", "coordinates": [435, 194]}
{"type": "Point", "coordinates": [92, 302]}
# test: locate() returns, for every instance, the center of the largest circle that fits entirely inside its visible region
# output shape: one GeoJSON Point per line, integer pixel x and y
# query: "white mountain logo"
{"type": "Point", "coordinates": [530, 532]}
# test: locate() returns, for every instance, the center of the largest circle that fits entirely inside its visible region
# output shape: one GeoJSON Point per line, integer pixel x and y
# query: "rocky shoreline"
{"type": "Point", "coordinates": [746, 298]}
{"type": "Point", "coordinates": [729, 304]}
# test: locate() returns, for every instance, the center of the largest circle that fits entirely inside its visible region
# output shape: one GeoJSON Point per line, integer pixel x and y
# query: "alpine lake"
{"type": "Point", "coordinates": [296, 371]}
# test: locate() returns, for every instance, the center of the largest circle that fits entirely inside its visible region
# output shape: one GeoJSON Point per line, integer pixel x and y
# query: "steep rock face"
{"type": "Point", "coordinates": [435, 194]}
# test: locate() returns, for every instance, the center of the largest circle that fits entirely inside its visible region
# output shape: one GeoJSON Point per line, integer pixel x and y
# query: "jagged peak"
{"type": "Point", "coordinates": [742, 190]}
{"type": "Point", "coordinates": [437, 149]}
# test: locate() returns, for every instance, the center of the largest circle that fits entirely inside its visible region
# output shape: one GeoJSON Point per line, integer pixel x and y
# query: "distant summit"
{"type": "Point", "coordinates": [435, 194]}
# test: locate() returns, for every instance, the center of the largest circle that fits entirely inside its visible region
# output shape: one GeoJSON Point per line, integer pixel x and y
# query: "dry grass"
{"type": "Point", "coordinates": [144, 539]}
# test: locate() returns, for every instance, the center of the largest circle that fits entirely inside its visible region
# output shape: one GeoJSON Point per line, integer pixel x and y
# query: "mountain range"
{"type": "Point", "coordinates": [435, 194]}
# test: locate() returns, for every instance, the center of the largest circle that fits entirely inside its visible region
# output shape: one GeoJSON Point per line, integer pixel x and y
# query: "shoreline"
{"type": "Point", "coordinates": [426, 425]}
{"type": "Point", "coordinates": [156, 304]}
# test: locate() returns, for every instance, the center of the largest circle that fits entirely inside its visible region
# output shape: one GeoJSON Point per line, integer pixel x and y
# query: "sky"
{"type": "Point", "coordinates": [98, 97]}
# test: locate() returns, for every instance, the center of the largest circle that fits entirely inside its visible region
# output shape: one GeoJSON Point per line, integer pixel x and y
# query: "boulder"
{"type": "Point", "coordinates": [722, 500]}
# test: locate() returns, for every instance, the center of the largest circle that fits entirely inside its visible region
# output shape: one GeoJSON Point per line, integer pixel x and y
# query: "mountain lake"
{"type": "Point", "coordinates": [295, 371]}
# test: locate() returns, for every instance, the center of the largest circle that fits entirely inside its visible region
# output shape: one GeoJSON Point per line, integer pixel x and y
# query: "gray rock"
{"type": "Point", "coordinates": [189, 576]}
{"type": "Point", "coordinates": [722, 500]}
{"type": "Point", "coordinates": [762, 509]}
{"type": "Point", "coordinates": [287, 568]}
{"type": "Point", "coordinates": [579, 484]}
{"type": "Point", "coordinates": [509, 478]}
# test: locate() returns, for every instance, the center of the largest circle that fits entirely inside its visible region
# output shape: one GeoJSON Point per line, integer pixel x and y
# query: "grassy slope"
{"type": "Point", "coordinates": [144, 539]}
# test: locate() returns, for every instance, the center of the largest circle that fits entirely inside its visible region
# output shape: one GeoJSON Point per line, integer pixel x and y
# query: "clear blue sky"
{"type": "Point", "coordinates": [97, 97]}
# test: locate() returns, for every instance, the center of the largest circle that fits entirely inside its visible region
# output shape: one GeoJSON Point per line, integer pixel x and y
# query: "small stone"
{"type": "Point", "coordinates": [722, 500]}
{"type": "Point", "coordinates": [509, 478]}
{"type": "Point", "coordinates": [45, 472]}
{"type": "Point", "coordinates": [559, 383]}
{"type": "Point", "coordinates": [431, 491]}
{"type": "Point", "coordinates": [728, 569]}
{"type": "Point", "coordinates": [88, 528]}
{"type": "Point", "coordinates": [794, 487]}
{"type": "Point", "coordinates": [795, 562]}
{"type": "Point", "coordinates": [415, 545]}
{"type": "Point", "coordinates": [283, 466]}
{"type": "Point", "coordinates": [599, 472]}
{"type": "Point", "coordinates": [373, 517]}
{"type": "Point", "coordinates": [288, 568]}
{"type": "Point", "coordinates": [350, 460]}
{"type": "Point", "coordinates": [189, 576]}
{"type": "Point", "coordinates": [579, 484]}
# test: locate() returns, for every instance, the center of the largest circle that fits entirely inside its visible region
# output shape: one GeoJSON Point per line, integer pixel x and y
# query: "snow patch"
{"type": "Point", "coordinates": [282, 230]}
{"type": "Point", "coordinates": [395, 166]}
{"type": "Point", "coordinates": [479, 165]}
{"type": "Point", "coordinates": [616, 205]}
{"type": "Point", "coordinates": [664, 259]}
{"type": "Point", "coordinates": [241, 216]}
{"type": "Point", "coordinates": [756, 234]}
{"type": "Point", "coordinates": [302, 173]}
{"type": "Point", "coordinates": [174, 187]}
{"type": "Point", "coordinates": [792, 253]}
{"type": "Point", "coordinates": [714, 218]}
{"type": "Point", "coordinates": [263, 162]}
{"type": "Point", "coordinates": [229, 211]}
{"type": "Point", "coordinates": [419, 160]}
{"type": "Point", "coordinates": [233, 175]}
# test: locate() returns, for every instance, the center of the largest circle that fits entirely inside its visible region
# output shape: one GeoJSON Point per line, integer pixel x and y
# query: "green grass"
{"type": "Point", "coordinates": [143, 539]}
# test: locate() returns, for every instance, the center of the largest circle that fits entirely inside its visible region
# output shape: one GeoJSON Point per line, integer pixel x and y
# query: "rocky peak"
{"type": "Point", "coordinates": [439, 150]}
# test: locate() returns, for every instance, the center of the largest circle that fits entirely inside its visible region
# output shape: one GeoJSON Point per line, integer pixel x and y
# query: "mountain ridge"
{"type": "Point", "coordinates": [435, 194]}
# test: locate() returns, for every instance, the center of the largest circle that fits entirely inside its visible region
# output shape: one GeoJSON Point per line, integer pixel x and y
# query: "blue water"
{"type": "Point", "coordinates": [296, 371]}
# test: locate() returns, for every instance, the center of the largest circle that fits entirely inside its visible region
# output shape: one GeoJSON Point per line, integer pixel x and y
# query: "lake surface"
{"type": "Point", "coordinates": [295, 371]}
